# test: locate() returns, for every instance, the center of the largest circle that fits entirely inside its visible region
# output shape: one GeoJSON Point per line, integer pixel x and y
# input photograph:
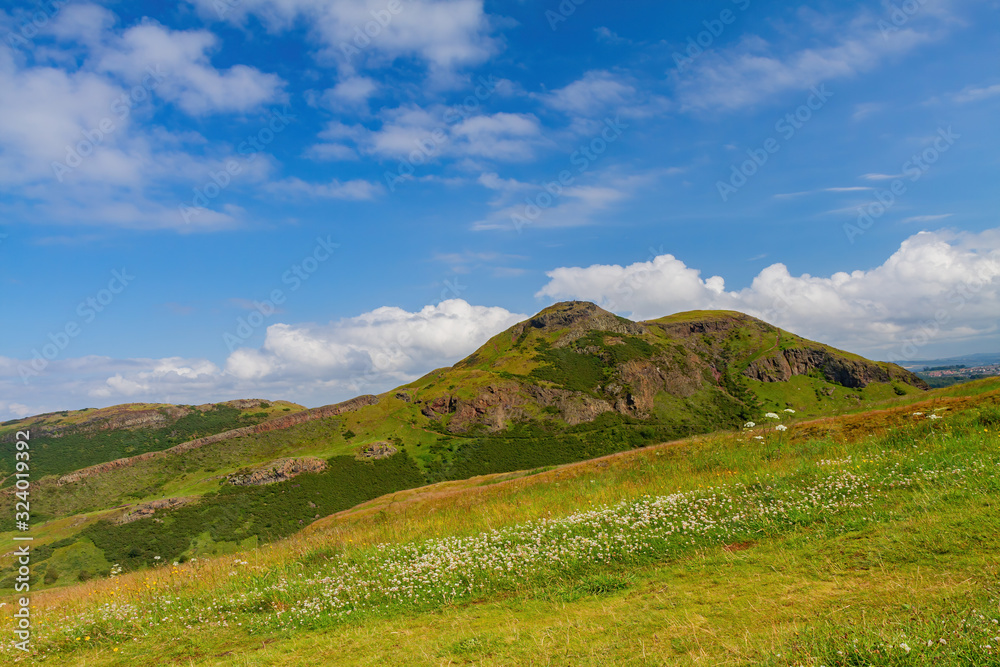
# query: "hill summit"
{"type": "Point", "coordinates": [574, 361]}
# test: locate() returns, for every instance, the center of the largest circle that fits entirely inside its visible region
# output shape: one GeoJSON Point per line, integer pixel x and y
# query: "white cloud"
{"type": "Point", "coordinates": [975, 94]}
{"type": "Point", "coordinates": [85, 23]}
{"type": "Point", "coordinates": [357, 189]}
{"type": "Point", "coordinates": [501, 136]}
{"type": "Point", "coordinates": [387, 342]}
{"type": "Point", "coordinates": [443, 34]}
{"type": "Point", "coordinates": [423, 134]}
{"type": "Point", "coordinates": [866, 109]}
{"type": "Point", "coordinates": [77, 145]}
{"type": "Point", "coordinates": [949, 279]}
{"type": "Point", "coordinates": [577, 205]}
{"type": "Point", "coordinates": [881, 177]}
{"type": "Point", "coordinates": [928, 218]}
{"type": "Point", "coordinates": [605, 34]}
{"type": "Point", "coordinates": [594, 94]}
{"type": "Point", "coordinates": [750, 72]}
{"type": "Point", "coordinates": [851, 188]}
{"type": "Point", "coordinates": [352, 92]}
{"type": "Point", "coordinates": [188, 79]}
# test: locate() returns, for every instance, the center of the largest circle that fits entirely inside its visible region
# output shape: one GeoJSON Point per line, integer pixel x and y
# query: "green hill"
{"type": "Point", "coordinates": [574, 382]}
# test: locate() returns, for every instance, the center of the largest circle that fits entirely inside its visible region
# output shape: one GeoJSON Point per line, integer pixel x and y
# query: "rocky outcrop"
{"type": "Point", "coordinates": [376, 450]}
{"type": "Point", "coordinates": [147, 510]}
{"type": "Point", "coordinates": [135, 419]}
{"type": "Point", "coordinates": [279, 423]}
{"type": "Point", "coordinates": [579, 317]}
{"type": "Point", "coordinates": [781, 366]}
{"type": "Point", "coordinates": [713, 325]}
{"type": "Point", "coordinates": [279, 470]}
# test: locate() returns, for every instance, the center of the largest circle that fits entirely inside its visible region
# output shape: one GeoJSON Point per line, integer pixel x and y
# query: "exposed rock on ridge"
{"type": "Point", "coordinates": [579, 317]}
{"type": "Point", "coordinates": [278, 470]}
{"type": "Point", "coordinates": [781, 366]}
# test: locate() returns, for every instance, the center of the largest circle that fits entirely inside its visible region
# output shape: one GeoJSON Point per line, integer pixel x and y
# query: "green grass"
{"type": "Point", "coordinates": [885, 538]}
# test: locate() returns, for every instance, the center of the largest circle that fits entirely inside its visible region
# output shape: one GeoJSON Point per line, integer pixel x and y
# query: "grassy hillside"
{"type": "Point", "coordinates": [867, 538]}
{"type": "Point", "coordinates": [67, 441]}
{"type": "Point", "coordinates": [573, 383]}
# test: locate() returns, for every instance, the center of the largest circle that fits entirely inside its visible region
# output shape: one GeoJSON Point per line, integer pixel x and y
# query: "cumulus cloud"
{"type": "Point", "coordinates": [351, 92]}
{"type": "Point", "coordinates": [387, 342]}
{"type": "Point", "coordinates": [937, 288]}
{"type": "Point", "coordinates": [77, 143]}
{"type": "Point", "coordinates": [443, 34]}
{"type": "Point", "coordinates": [595, 93]}
{"type": "Point", "coordinates": [308, 363]}
{"type": "Point", "coordinates": [419, 134]}
{"type": "Point", "coordinates": [188, 78]}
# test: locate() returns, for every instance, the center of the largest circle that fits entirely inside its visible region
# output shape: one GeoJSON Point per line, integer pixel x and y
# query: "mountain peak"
{"type": "Point", "coordinates": [579, 317]}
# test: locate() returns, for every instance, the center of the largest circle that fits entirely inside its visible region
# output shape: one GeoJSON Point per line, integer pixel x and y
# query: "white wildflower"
{"type": "Point", "coordinates": [935, 417]}
{"type": "Point", "coordinates": [772, 415]}
{"type": "Point", "coordinates": [903, 646]}
{"type": "Point", "coordinates": [749, 425]}
{"type": "Point", "coordinates": [780, 427]}
{"type": "Point", "coordinates": [790, 411]}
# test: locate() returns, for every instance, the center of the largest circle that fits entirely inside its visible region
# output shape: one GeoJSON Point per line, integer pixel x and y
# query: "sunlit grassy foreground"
{"type": "Point", "coordinates": [766, 547]}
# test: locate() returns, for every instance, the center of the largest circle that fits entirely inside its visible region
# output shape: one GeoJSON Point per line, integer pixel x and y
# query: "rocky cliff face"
{"type": "Point", "coordinates": [498, 404]}
{"type": "Point", "coordinates": [781, 366]}
{"type": "Point", "coordinates": [632, 392]}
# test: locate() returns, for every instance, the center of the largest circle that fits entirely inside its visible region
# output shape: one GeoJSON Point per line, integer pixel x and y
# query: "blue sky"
{"type": "Point", "coordinates": [309, 199]}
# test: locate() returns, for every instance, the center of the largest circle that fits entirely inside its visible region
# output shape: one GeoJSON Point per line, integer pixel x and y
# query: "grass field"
{"type": "Point", "coordinates": [864, 539]}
